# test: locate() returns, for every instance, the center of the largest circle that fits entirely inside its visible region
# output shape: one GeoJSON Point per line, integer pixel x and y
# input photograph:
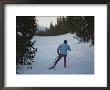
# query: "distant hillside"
{"type": "Point", "coordinates": [40, 28]}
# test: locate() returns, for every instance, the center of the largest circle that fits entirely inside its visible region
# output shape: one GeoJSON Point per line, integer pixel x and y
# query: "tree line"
{"type": "Point", "coordinates": [81, 26]}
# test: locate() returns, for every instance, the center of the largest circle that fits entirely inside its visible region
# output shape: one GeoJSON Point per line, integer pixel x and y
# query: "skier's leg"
{"type": "Point", "coordinates": [59, 57]}
{"type": "Point", "coordinates": [65, 61]}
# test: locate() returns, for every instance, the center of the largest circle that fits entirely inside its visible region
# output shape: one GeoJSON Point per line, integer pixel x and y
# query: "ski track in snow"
{"type": "Point", "coordinates": [79, 61]}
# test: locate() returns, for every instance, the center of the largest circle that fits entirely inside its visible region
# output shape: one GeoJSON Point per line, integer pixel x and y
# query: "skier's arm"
{"type": "Point", "coordinates": [58, 50]}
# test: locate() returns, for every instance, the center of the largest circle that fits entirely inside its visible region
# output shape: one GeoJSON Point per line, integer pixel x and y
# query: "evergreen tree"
{"type": "Point", "coordinates": [25, 30]}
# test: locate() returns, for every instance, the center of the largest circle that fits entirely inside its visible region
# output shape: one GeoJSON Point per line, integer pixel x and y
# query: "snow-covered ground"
{"type": "Point", "coordinates": [79, 61]}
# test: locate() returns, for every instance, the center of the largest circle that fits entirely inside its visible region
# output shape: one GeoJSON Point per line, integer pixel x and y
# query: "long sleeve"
{"type": "Point", "coordinates": [58, 49]}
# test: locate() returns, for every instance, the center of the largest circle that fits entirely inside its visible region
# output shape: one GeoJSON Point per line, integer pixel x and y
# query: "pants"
{"type": "Point", "coordinates": [59, 57]}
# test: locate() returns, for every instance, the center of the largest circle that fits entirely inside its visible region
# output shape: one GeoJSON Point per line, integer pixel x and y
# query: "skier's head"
{"type": "Point", "coordinates": [65, 41]}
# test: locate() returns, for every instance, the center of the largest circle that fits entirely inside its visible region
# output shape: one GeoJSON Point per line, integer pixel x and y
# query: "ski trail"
{"type": "Point", "coordinates": [79, 61]}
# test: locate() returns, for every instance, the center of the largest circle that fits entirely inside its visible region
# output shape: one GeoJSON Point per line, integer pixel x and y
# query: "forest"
{"type": "Point", "coordinates": [81, 26]}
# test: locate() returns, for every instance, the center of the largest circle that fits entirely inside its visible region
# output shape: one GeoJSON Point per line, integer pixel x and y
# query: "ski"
{"type": "Point", "coordinates": [51, 68]}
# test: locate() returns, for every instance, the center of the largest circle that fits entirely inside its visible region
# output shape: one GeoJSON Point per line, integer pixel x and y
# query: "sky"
{"type": "Point", "coordinates": [46, 20]}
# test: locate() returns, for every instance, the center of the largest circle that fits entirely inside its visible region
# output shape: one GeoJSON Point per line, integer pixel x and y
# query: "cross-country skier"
{"type": "Point", "coordinates": [62, 52]}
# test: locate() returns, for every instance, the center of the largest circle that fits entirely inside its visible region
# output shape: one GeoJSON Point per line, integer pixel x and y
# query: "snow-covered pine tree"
{"type": "Point", "coordinates": [25, 30]}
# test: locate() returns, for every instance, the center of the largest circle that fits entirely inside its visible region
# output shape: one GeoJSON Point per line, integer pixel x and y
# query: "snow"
{"type": "Point", "coordinates": [19, 33]}
{"type": "Point", "coordinates": [79, 61]}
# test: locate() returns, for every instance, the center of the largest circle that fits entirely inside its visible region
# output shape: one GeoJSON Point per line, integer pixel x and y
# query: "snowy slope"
{"type": "Point", "coordinates": [79, 61]}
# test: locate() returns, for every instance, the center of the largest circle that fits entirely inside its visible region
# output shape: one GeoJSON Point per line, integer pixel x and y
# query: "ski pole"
{"type": "Point", "coordinates": [54, 61]}
{"type": "Point", "coordinates": [68, 62]}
